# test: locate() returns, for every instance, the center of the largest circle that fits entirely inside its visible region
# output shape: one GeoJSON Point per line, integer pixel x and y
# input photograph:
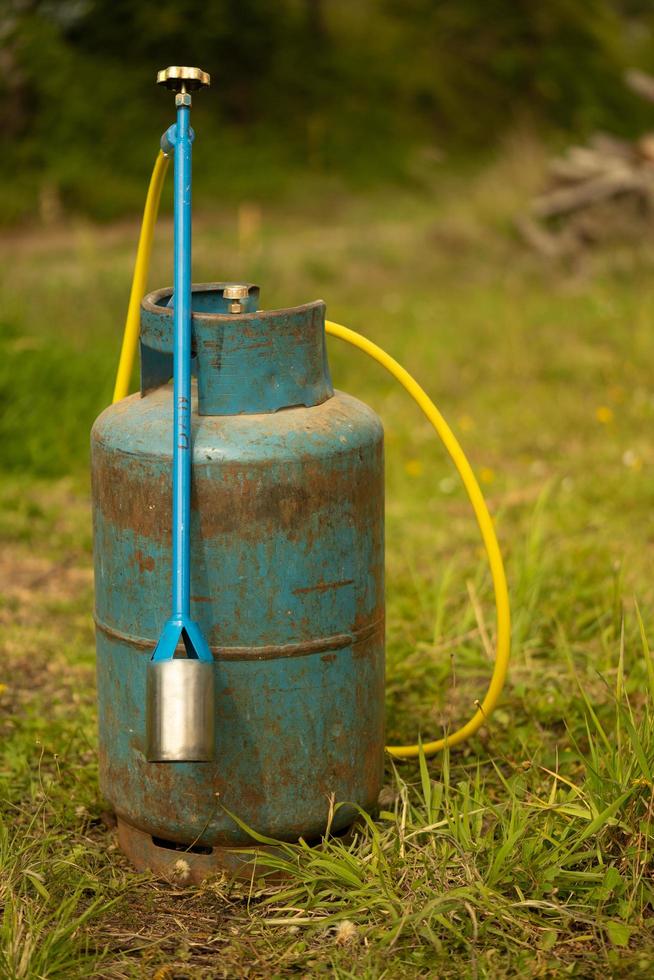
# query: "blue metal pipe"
{"type": "Point", "coordinates": [182, 370]}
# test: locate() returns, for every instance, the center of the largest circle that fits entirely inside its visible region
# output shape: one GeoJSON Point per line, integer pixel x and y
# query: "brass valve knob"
{"type": "Point", "coordinates": [236, 293]}
{"type": "Point", "coordinates": [183, 79]}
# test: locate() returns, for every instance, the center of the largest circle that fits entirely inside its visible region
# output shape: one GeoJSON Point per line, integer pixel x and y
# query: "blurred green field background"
{"type": "Point", "coordinates": [376, 156]}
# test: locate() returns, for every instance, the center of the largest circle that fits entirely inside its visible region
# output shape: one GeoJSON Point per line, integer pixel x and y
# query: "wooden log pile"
{"type": "Point", "coordinates": [595, 193]}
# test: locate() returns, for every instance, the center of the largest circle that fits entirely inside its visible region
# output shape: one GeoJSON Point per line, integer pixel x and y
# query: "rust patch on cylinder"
{"type": "Point", "coordinates": [249, 499]}
{"type": "Point", "coordinates": [144, 562]}
{"type": "Point", "coordinates": [132, 493]}
{"type": "Point", "coordinates": [323, 587]}
{"type": "Point", "coordinates": [255, 498]}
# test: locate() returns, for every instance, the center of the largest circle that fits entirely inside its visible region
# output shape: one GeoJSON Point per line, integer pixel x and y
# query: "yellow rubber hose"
{"type": "Point", "coordinates": [485, 521]}
{"type": "Point", "coordinates": [422, 399]}
{"type": "Point", "coordinates": [140, 278]}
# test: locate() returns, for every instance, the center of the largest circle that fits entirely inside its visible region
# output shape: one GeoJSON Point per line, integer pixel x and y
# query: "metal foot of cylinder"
{"type": "Point", "coordinates": [186, 865]}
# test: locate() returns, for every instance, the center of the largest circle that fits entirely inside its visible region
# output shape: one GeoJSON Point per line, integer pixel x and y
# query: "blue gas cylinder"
{"type": "Point", "coordinates": [287, 585]}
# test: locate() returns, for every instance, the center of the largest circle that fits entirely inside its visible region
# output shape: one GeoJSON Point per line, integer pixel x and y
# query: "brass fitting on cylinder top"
{"type": "Point", "coordinates": [236, 294]}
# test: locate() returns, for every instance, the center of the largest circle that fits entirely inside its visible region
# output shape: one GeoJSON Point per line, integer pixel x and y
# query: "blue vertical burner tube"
{"type": "Point", "coordinates": [182, 370]}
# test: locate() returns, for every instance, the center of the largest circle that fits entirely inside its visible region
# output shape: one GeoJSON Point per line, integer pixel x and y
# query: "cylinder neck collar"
{"type": "Point", "coordinates": [257, 361]}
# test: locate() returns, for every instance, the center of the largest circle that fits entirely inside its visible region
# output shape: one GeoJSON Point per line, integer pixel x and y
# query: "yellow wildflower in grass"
{"type": "Point", "coordinates": [604, 414]}
{"type": "Point", "coordinates": [413, 467]}
{"type": "Point", "coordinates": [3, 688]}
{"type": "Point", "coordinates": [466, 423]}
{"type": "Point", "coordinates": [486, 474]}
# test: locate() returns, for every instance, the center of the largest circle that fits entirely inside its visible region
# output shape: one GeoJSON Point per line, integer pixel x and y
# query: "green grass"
{"type": "Point", "coordinates": [527, 853]}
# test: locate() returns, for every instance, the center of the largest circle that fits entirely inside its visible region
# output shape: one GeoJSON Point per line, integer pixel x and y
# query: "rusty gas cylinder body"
{"type": "Point", "coordinates": [287, 584]}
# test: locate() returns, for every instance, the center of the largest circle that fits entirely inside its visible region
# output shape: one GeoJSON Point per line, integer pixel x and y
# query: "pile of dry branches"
{"type": "Point", "coordinates": [599, 192]}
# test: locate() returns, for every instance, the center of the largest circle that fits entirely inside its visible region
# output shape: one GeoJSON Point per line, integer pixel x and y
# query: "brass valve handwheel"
{"type": "Point", "coordinates": [180, 79]}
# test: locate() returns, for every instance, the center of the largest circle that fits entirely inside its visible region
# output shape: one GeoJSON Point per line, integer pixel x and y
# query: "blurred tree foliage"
{"type": "Point", "coordinates": [337, 86]}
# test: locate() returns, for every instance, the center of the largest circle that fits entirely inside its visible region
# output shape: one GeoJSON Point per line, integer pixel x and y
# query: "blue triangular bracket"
{"type": "Point", "coordinates": [186, 630]}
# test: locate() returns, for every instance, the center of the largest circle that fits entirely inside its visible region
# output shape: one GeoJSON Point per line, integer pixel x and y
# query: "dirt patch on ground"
{"type": "Point", "coordinates": [28, 579]}
{"type": "Point", "coordinates": [47, 634]}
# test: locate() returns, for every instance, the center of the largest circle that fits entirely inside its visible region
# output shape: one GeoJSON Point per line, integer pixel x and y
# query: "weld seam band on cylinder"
{"type": "Point", "coordinates": [326, 643]}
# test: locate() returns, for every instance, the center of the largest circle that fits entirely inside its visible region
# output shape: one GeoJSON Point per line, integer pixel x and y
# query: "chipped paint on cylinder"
{"type": "Point", "coordinates": [287, 580]}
